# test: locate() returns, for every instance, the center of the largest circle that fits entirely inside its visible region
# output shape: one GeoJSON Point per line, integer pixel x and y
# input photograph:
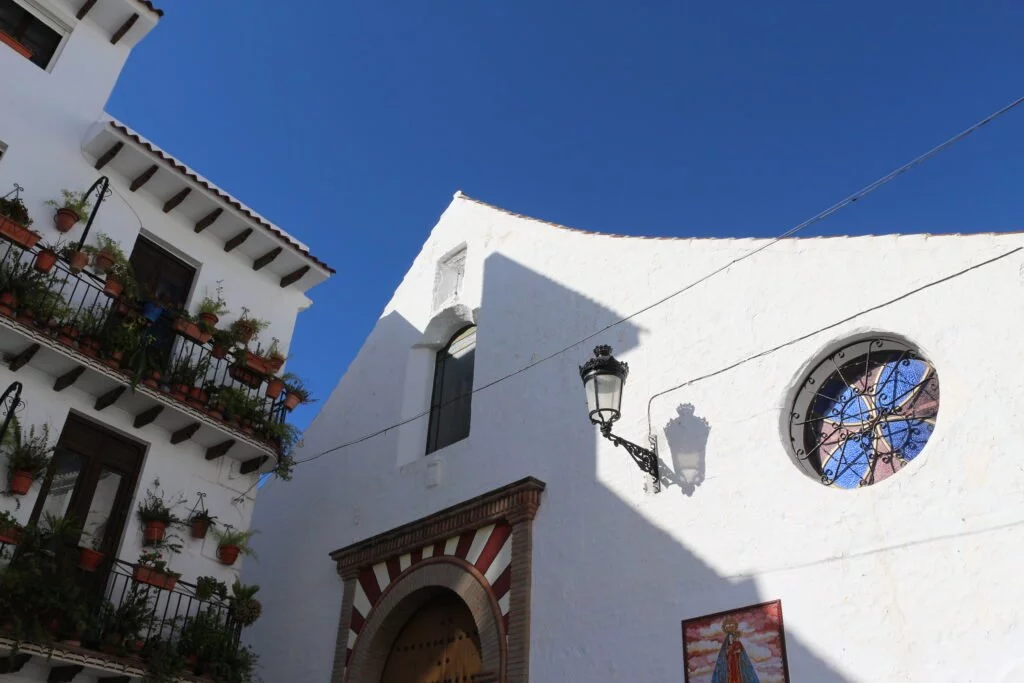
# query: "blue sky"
{"type": "Point", "coordinates": [352, 124]}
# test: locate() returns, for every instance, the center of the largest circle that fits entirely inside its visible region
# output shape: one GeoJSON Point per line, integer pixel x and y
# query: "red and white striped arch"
{"type": "Point", "coordinates": [488, 548]}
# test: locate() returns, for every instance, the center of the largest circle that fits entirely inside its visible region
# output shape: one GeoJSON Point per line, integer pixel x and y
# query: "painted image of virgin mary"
{"type": "Point", "coordinates": [733, 665]}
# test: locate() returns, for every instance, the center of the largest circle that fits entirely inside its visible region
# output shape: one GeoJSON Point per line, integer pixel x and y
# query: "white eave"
{"type": "Point", "coordinates": [147, 170]}
{"type": "Point", "coordinates": [125, 21]}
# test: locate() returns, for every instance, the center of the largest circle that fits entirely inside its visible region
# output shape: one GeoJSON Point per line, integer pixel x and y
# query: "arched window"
{"type": "Point", "coordinates": [453, 383]}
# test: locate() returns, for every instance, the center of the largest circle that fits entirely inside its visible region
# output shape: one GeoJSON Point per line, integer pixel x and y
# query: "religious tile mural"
{"type": "Point", "coordinates": [744, 645]}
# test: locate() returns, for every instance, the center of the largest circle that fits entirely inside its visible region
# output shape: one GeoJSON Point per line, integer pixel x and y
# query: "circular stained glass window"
{"type": "Point", "coordinates": [864, 412]}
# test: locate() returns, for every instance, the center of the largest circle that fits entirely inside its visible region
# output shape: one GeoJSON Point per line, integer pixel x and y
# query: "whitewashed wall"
{"type": "Point", "coordinates": [913, 579]}
{"type": "Point", "coordinates": [182, 470]}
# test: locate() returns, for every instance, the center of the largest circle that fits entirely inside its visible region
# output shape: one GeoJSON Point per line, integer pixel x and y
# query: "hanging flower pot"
{"type": "Point", "coordinates": [20, 482]}
{"type": "Point", "coordinates": [102, 261]}
{"type": "Point", "coordinates": [200, 525]}
{"type": "Point", "coordinates": [247, 377]}
{"type": "Point", "coordinates": [189, 330]}
{"type": "Point", "coordinates": [65, 219]}
{"type": "Point", "coordinates": [45, 260]}
{"type": "Point", "coordinates": [113, 287]}
{"type": "Point", "coordinates": [152, 311]}
{"type": "Point", "coordinates": [8, 302]}
{"type": "Point", "coordinates": [274, 387]}
{"type": "Point", "coordinates": [152, 577]}
{"type": "Point", "coordinates": [78, 260]}
{"type": "Point", "coordinates": [228, 554]}
{"type": "Point", "coordinates": [292, 400]}
{"type": "Point", "coordinates": [18, 233]}
{"type": "Point", "coordinates": [219, 352]}
{"type": "Point", "coordinates": [10, 534]}
{"type": "Point", "coordinates": [154, 530]}
{"type": "Point", "coordinates": [208, 319]}
{"type": "Point", "coordinates": [244, 330]}
{"type": "Point", "coordinates": [89, 559]}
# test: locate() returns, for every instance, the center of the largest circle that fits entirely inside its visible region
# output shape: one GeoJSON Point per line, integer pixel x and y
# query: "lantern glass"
{"type": "Point", "coordinates": [604, 397]}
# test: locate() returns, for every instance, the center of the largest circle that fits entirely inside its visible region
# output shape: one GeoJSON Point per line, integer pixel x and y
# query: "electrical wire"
{"type": "Point", "coordinates": [822, 215]}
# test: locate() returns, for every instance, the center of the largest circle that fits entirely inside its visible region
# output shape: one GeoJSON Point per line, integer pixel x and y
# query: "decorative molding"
{"type": "Point", "coordinates": [513, 503]}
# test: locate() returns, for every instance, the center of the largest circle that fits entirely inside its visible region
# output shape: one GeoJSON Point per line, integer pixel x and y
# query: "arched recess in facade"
{"type": "Point", "coordinates": [480, 549]}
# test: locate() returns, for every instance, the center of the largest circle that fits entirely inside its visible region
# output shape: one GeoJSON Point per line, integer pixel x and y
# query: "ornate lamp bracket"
{"type": "Point", "coordinates": [646, 459]}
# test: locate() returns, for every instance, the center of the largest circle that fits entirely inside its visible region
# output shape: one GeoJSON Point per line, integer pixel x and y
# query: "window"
{"type": "Point", "coordinates": [864, 412]}
{"type": "Point", "coordinates": [164, 279]}
{"type": "Point", "coordinates": [448, 281]}
{"type": "Point", "coordinates": [27, 34]}
{"type": "Point", "coordinates": [453, 384]}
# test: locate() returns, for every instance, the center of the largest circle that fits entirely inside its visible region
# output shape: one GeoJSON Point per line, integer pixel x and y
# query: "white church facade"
{"type": "Point", "coordinates": [820, 511]}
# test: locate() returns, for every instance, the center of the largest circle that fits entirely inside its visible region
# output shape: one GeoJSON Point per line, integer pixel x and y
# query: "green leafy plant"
{"type": "Point", "coordinates": [245, 609]}
{"type": "Point", "coordinates": [294, 384]}
{"type": "Point", "coordinates": [155, 508]}
{"type": "Point", "coordinates": [208, 587]}
{"type": "Point", "coordinates": [164, 663]}
{"type": "Point", "coordinates": [107, 245]}
{"type": "Point", "coordinates": [15, 209]}
{"type": "Point", "coordinates": [247, 324]}
{"type": "Point", "coordinates": [157, 556]}
{"type": "Point", "coordinates": [285, 467]}
{"type": "Point", "coordinates": [215, 305]}
{"type": "Point", "coordinates": [78, 202]}
{"type": "Point", "coordinates": [123, 337]}
{"type": "Point", "coordinates": [29, 453]}
{"type": "Point", "coordinates": [238, 538]}
{"type": "Point", "coordinates": [284, 434]}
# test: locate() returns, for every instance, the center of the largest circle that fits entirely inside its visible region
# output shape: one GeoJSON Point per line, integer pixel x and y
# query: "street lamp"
{"type": "Point", "coordinates": [603, 379]}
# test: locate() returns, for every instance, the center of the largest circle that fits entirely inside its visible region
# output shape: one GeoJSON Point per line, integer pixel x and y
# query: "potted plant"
{"type": "Point", "coordinates": [90, 557]}
{"type": "Point", "coordinates": [15, 222]}
{"type": "Point", "coordinates": [189, 328]}
{"type": "Point", "coordinates": [231, 543]}
{"type": "Point", "coordinates": [157, 514]}
{"type": "Point", "coordinates": [152, 568]}
{"type": "Point", "coordinates": [244, 608]}
{"type": "Point", "coordinates": [75, 258]}
{"type": "Point", "coordinates": [211, 308]}
{"type": "Point", "coordinates": [247, 327]}
{"type": "Point", "coordinates": [285, 467]}
{"type": "Point", "coordinates": [70, 209]}
{"type": "Point", "coordinates": [119, 338]}
{"type": "Point", "coordinates": [105, 253]}
{"type": "Point", "coordinates": [47, 257]}
{"type": "Point", "coordinates": [27, 457]}
{"type": "Point", "coordinates": [201, 522]}
{"type": "Point", "coordinates": [297, 393]}
{"type": "Point", "coordinates": [223, 340]}
{"type": "Point", "coordinates": [275, 385]}
{"type": "Point", "coordinates": [10, 530]}
{"type": "Point", "coordinates": [209, 586]}
{"type": "Point", "coordinates": [274, 357]}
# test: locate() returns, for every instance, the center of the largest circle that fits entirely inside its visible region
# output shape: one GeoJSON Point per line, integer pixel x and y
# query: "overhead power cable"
{"type": "Point", "coordinates": [818, 217]}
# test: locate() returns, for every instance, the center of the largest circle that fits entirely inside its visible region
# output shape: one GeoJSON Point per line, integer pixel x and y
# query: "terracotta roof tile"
{"type": "Point", "coordinates": [205, 184]}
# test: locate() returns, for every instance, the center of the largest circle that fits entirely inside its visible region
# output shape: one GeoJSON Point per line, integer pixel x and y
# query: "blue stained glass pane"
{"type": "Point", "coordinates": [907, 437]}
{"type": "Point", "coordinates": [897, 381]}
{"type": "Point", "coordinates": [850, 463]}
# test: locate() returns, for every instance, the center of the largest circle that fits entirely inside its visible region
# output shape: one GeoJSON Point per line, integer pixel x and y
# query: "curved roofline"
{"type": "Point", "coordinates": [459, 194]}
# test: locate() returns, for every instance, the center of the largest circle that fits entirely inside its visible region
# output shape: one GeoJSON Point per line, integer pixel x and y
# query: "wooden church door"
{"type": "Point", "coordinates": [439, 644]}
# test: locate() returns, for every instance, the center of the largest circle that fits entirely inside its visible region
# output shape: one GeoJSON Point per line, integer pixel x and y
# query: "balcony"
{"type": "Point", "coordinates": [114, 623]}
{"type": "Point", "coordinates": [75, 327]}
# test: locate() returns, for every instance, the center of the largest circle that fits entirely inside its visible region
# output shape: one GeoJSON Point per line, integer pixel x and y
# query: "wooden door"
{"type": "Point", "coordinates": [91, 480]}
{"type": "Point", "coordinates": [439, 644]}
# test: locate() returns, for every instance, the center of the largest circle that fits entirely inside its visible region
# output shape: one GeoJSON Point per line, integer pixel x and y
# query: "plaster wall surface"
{"type": "Point", "coordinates": [913, 579]}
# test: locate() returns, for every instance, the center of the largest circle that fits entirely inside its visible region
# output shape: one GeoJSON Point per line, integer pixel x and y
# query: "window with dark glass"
{"type": "Point", "coordinates": [27, 34]}
{"type": "Point", "coordinates": [163, 279]}
{"type": "Point", "coordinates": [453, 385]}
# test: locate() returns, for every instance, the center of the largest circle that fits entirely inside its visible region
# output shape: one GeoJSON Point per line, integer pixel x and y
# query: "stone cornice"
{"type": "Point", "coordinates": [514, 503]}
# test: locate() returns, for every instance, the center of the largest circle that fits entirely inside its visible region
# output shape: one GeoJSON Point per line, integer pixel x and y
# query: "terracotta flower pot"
{"type": "Point", "coordinates": [154, 531]}
{"type": "Point", "coordinates": [275, 363]}
{"type": "Point", "coordinates": [189, 330]}
{"type": "Point", "coordinates": [18, 233]}
{"type": "Point", "coordinates": [65, 219]}
{"type": "Point", "coordinates": [113, 287]}
{"type": "Point", "coordinates": [89, 559]}
{"type": "Point", "coordinates": [10, 535]}
{"type": "Point", "coordinates": [219, 352]}
{"type": "Point", "coordinates": [115, 359]}
{"type": "Point", "coordinates": [292, 400]}
{"type": "Point", "coordinates": [103, 261]}
{"type": "Point", "coordinates": [209, 319]}
{"type": "Point", "coordinates": [153, 381]}
{"type": "Point", "coordinates": [67, 335]}
{"type": "Point", "coordinates": [274, 387]}
{"type": "Point", "coordinates": [45, 260]}
{"type": "Point", "coordinates": [228, 554]}
{"type": "Point", "coordinates": [78, 260]}
{"type": "Point", "coordinates": [20, 482]}
{"type": "Point", "coordinates": [152, 577]}
{"type": "Point", "coordinates": [8, 302]}
{"type": "Point", "coordinates": [200, 527]}
{"type": "Point", "coordinates": [244, 331]}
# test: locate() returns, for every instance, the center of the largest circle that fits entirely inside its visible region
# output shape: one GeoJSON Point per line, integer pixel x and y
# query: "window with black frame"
{"type": "Point", "coordinates": [451, 402]}
{"type": "Point", "coordinates": [165, 282]}
{"type": "Point", "coordinates": [31, 36]}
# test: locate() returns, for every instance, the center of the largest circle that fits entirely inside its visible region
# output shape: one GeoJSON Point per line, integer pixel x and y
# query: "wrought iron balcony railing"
{"type": "Point", "coordinates": [139, 339]}
{"type": "Point", "coordinates": [117, 612]}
